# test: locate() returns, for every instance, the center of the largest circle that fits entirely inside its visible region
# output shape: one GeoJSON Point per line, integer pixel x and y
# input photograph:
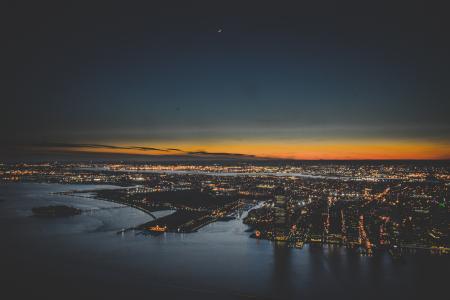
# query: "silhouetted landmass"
{"type": "Point", "coordinates": [154, 201]}
{"type": "Point", "coordinates": [55, 211]}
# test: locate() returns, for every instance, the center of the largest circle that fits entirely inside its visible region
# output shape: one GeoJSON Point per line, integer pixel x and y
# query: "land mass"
{"type": "Point", "coordinates": [55, 211]}
{"type": "Point", "coordinates": [193, 208]}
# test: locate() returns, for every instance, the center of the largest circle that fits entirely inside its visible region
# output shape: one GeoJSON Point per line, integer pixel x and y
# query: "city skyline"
{"type": "Point", "coordinates": [230, 230]}
{"type": "Point", "coordinates": [173, 149]}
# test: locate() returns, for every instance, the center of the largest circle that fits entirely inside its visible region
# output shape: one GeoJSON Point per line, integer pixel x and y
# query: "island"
{"type": "Point", "coordinates": [55, 211]}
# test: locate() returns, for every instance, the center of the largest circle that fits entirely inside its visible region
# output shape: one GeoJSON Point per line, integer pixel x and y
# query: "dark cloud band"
{"type": "Point", "coordinates": [74, 146]}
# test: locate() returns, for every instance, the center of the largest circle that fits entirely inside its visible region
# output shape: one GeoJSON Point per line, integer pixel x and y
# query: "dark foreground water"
{"type": "Point", "coordinates": [83, 257]}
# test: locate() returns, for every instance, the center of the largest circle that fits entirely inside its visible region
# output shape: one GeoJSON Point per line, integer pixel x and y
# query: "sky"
{"type": "Point", "coordinates": [329, 80]}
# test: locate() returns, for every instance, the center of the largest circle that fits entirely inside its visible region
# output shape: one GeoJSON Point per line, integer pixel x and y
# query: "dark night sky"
{"type": "Point", "coordinates": [157, 74]}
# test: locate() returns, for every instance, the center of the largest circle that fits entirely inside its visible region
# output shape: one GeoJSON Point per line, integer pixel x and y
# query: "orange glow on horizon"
{"type": "Point", "coordinates": [339, 150]}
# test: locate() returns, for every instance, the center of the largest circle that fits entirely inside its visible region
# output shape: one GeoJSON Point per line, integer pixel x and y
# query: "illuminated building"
{"type": "Point", "coordinates": [280, 211]}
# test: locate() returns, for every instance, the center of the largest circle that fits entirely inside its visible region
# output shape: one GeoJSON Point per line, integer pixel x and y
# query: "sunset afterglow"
{"type": "Point", "coordinates": [353, 150]}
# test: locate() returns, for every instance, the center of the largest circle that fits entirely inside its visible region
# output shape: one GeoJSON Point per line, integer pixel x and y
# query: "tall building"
{"type": "Point", "coordinates": [280, 210]}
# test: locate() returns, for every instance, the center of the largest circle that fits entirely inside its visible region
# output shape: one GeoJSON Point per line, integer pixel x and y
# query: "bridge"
{"type": "Point", "coordinates": [124, 205]}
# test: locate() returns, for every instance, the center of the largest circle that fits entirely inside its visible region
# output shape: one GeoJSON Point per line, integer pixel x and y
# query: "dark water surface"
{"type": "Point", "coordinates": [83, 257]}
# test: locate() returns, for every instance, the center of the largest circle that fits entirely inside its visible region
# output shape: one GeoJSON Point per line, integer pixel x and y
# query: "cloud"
{"type": "Point", "coordinates": [100, 146]}
{"type": "Point", "coordinates": [169, 151]}
{"type": "Point", "coordinates": [175, 149]}
{"type": "Point", "coordinates": [219, 153]}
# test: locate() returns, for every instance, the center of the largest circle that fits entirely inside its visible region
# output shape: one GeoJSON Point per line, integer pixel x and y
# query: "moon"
{"type": "Point", "coordinates": [219, 30]}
